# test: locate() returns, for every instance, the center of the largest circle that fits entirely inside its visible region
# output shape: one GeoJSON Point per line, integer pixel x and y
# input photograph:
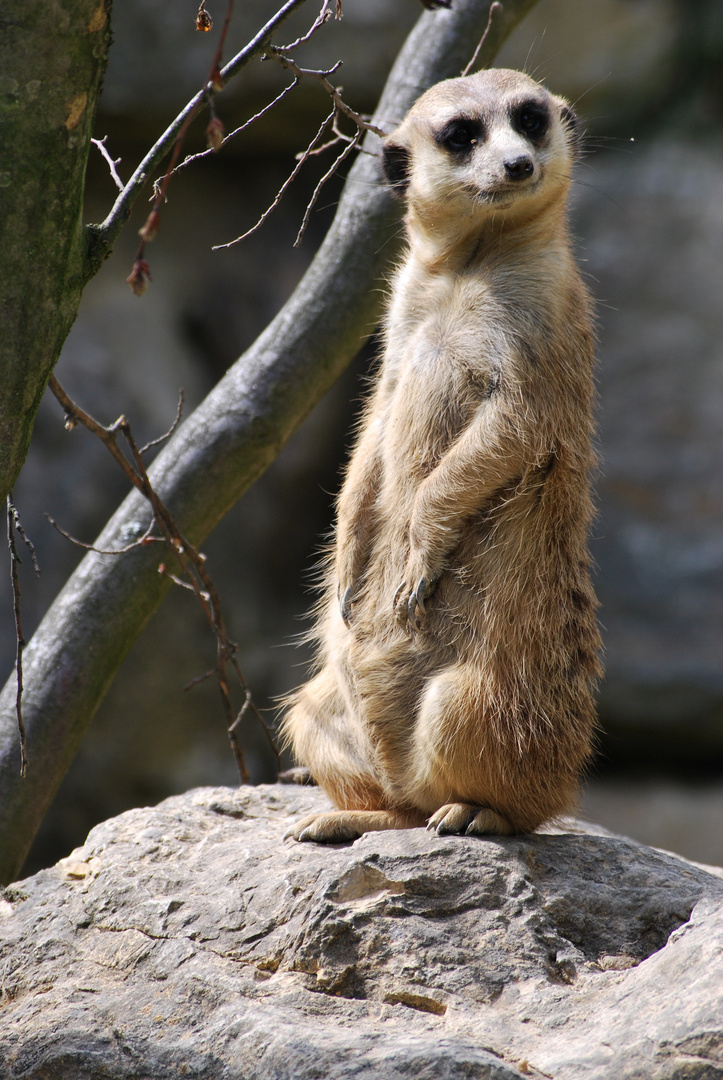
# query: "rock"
{"type": "Point", "coordinates": [191, 940]}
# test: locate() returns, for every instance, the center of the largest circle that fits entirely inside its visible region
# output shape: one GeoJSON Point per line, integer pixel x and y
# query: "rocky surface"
{"type": "Point", "coordinates": [191, 940]}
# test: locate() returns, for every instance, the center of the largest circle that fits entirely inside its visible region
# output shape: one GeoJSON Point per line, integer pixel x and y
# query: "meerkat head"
{"type": "Point", "coordinates": [495, 144]}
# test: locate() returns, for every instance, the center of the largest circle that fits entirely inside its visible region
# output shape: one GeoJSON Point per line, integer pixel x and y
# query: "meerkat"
{"type": "Point", "coordinates": [458, 646]}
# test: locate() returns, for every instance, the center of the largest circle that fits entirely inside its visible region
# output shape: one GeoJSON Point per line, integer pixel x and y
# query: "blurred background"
{"type": "Point", "coordinates": [646, 76]}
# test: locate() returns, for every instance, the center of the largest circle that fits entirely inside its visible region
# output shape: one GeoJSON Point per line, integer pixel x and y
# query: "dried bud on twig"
{"type": "Point", "coordinates": [216, 81]}
{"type": "Point", "coordinates": [150, 227]}
{"type": "Point", "coordinates": [204, 21]}
{"type": "Point", "coordinates": [214, 134]}
{"type": "Point", "coordinates": [139, 277]}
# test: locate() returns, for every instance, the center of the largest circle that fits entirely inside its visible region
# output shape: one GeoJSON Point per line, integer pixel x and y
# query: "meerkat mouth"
{"type": "Point", "coordinates": [503, 194]}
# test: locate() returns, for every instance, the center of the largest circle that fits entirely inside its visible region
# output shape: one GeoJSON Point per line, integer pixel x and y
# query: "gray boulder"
{"type": "Point", "coordinates": [191, 940]}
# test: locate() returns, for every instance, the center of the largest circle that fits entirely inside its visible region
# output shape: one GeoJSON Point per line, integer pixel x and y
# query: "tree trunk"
{"type": "Point", "coordinates": [52, 58]}
{"type": "Point", "coordinates": [223, 446]}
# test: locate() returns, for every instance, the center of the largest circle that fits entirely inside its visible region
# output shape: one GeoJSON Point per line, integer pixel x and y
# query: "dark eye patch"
{"type": "Point", "coordinates": [532, 119]}
{"type": "Point", "coordinates": [458, 136]}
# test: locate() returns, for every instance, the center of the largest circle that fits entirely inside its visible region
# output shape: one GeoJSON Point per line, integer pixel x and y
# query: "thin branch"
{"type": "Point", "coordinates": [163, 569]}
{"type": "Point", "coordinates": [27, 541]}
{"type": "Point", "coordinates": [191, 561]}
{"type": "Point", "coordinates": [286, 184]}
{"type": "Point", "coordinates": [107, 231]}
{"type": "Point", "coordinates": [327, 176]}
{"type": "Point", "coordinates": [200, 679]}
{"type": "Point", "coordinates": [100, 143]}
{"type": "Point", "coordinates": [339, 136]}
{"type": "Point", "coordinates": [172, 428]}
{"type": "Point", "coordinates": [13, 525]}
{"type": "Point", "coordinates": [322, 77]}
{"type": "Point", "coordinates": [495, 8]}
{"type": "Point", "coordinates": [142, 541]}
{"type": "Point", "coordinates": [247, 123]}
{"type": "Point", "coordinates": [249, 704]}
{"type": "Point", "coordinates": [324, 15]}
{"type": "Point", "coordinates": [139, 275]}
{"type": "Point", "coordinates": [75, 415]}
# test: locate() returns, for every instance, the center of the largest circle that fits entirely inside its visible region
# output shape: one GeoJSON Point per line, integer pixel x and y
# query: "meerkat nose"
{"type": "Point", "coordinates": [519, 168]}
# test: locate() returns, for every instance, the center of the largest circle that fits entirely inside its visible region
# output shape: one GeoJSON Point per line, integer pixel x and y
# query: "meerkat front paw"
{"type": "Point", "coordinates": [466, 819]}
{"type": "Point", "coordinates": [409, 607]}
{"type": "Point", "coordinates": [411, 598]}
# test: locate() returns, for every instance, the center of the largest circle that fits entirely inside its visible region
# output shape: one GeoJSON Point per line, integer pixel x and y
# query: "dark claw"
{"type": "Point", "coordinates": [415, 604]}
{"type": "Point", "coordinates": [411, 613]}
{"type": "Point", "coordinates": [345, 607]}
{"type": "Point", "coordinates": [420, 593]}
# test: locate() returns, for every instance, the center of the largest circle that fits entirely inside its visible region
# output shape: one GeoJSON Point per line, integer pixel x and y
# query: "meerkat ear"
{"type": "Point", "coordinates": [572, 125]}
{"type": "Point", "coordinates": [396, 165]}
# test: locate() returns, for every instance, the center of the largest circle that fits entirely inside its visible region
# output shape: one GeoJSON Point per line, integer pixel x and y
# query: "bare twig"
{"type": "Point", "coordinates": [75, 415]}
{"type": "Point", "coordinates": [27, 541]}
{"type": "Point", "coordinates": [313, 149]}
{"type": "Point", "coordinates": [324, 15]}
{"type": "Point", "coordinates": [107, 231]}
{"type": "Point", "coordinates": [163, 569]}
{"type": "Point", "coordinates": [339, 136]}
{"type": "Point", "coordinates": [172, 428]}
{"type": "Point", "coordinates": [200, 679]}
{"type": "Point", "coordinates": [142, 541]}
{"type": "Point", "coordinates": [247, 123]}
{"type": "Point", "coordinates": [286, 184]}
{"type": "Point", "coordinates": [495, 8]}
{"type": "Point", "coordinates": [139, 275]}
{"type": "Point", "coordinates": [327, 176]}
{"type": "Point", "coordinates": [192, 562]}
{"type": "Point", "coordinates": [100, 143]}
{"type": "Point", "coordinates": [249, 704]}
{"type": "Point", "coordinates": [322, 77]}
{"type": "Point", "coordinates": [13, 526]}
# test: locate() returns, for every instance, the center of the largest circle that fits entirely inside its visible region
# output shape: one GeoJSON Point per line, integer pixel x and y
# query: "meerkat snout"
{"type": "Point", "coordinates": [520, 168]}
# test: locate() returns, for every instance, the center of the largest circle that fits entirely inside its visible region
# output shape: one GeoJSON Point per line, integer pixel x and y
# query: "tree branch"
{"type": "Point", "coordinates": [14, 525]}
{"type": "Point", "coordinates": [111, 162]}
{"type": "Point", "coordinates": [224, 445]}
{"type": "Point", "coordinates": [284, 187]}
{"type": "Point", "coordinates": [104, 235]}
{"type": "Point", "coordinates": [191, 561]}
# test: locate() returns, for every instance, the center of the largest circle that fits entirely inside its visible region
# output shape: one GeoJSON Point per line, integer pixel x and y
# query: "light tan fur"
{"type": "Point", "coordinates": [458, 645]}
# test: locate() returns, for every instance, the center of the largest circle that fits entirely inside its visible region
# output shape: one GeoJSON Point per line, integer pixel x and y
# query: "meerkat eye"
{"type": "Point", "coordinates": [531, 119]}
{"type": "Point", "coordinates": [459, 136]}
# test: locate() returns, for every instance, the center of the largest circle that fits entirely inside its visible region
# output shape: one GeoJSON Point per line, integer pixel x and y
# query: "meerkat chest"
{"type": "Point", "coordinates": [445, 351]}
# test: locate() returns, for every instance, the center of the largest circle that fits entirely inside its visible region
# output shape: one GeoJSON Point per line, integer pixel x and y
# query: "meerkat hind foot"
{"type": "Point", "coordinates": [341, 826]}
{"type": "Point", "coordinates": [469, 820]}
